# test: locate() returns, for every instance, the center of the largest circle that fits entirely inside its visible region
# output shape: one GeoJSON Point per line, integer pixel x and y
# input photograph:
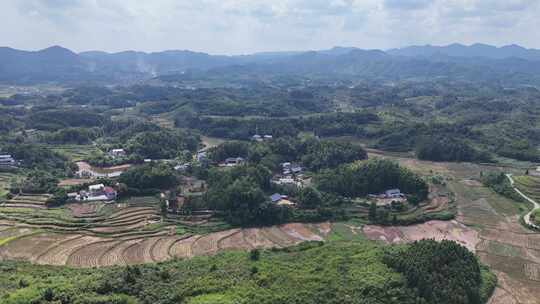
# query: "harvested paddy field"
{"type": "Point", "coordinates": [97, 234]}
{"type": "Point", "coordinates": [486, 223]}
{"type": "Point", "coordinates": [79, 250]}
{"type": "Point", "coordinates": [437, 230]}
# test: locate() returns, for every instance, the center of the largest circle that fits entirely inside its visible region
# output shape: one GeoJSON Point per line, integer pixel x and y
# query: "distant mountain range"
{"type": "Point", "coordinates": [476, 50]}
{"type": "Point", "coordinates": [476, 62]}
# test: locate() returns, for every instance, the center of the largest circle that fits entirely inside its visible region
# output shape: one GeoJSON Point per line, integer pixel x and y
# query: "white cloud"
{"type": "Point", "coordinates": [244, 26]}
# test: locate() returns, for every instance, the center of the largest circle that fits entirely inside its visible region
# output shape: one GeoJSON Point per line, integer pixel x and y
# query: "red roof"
{"type": "Point", "coordinates": [108, 190]}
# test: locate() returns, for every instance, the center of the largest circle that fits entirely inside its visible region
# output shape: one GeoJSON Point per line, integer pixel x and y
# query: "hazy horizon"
{"type": "Point", "coordinates": [234, 27]}
{"type": "Point", "coordinates": [267, 51]}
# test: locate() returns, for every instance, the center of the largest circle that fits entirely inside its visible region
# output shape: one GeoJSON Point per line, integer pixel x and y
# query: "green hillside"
{"type": "Point", "coordinates": [335, 272]}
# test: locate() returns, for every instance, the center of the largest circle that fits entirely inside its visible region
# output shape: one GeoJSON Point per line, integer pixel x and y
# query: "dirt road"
{"type": "Point", "coordinates": [527, 217]}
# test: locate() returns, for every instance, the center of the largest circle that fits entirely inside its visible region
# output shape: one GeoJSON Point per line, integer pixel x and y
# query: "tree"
{"type": "Point", "coordinates": [149, 176]}
{"type": "Point", "coordinates": [163, 207]}
{"type": "Point", "coordinates": [372, 215]}
{"type": "Point", "coordinates": [440, 272]}
{"type": "Point", "coordinates": [372, 176]}
{"type": "Point", "coordinates": [254, 254]}
{"type": "Point", "coordinates": [309, 197]}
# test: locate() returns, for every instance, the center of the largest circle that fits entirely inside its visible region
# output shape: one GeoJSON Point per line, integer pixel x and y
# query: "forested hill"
{"type": "Point", "coordinates": [510, 65]}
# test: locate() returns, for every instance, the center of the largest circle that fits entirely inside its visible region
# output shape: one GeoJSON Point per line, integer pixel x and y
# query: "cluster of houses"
{"type": "Point", "coordinates": [94, 193]}
{"type": "Point", "coordinates": [291, 174]}
{"type": "Point", "coordinates": [260, 138]}
{"type": "Point", "coordinates": [7, 160]}
{"type": "Point", "coordinates": [388, 196]}
{"type": "Point", "coordinates": [291, 169]}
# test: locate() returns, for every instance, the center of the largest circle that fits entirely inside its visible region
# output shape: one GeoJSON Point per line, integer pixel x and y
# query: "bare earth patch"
{"type": "Point", "coordinates": [437, 230]}
{"type": "Point", "coordinates": [471, 183]}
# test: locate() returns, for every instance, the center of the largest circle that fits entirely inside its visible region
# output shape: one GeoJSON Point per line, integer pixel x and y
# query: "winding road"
{"type": "Point", "coordinates": [527, 217]}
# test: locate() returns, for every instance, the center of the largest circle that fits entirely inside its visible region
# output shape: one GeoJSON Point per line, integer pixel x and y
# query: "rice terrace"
{"type": "Point", "coordinates": [96, 235]}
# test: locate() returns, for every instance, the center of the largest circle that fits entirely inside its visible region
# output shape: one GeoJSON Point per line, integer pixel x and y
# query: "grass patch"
{"type": "Point", "coordinates": [503, 249]}
{"type": "Point", "coordinates": [76, 152]}
{"type": "Point", "coordinates": [346, 231]}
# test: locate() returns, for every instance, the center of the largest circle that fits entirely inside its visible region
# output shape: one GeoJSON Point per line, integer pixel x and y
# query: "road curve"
{"type": "Point", "coordinates": [527, 217]}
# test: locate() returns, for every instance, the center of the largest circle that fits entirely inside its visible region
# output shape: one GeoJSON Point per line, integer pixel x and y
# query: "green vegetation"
{"type": "Point", "coordinates": [499, 183]}
{"type": "Point", "coordinates": [448, 149]}
{"type": "Point", "coordinates": [54, 119]}
{"type": "Point", "coordinates": [148, 177]}
{"type": "Point", "coordinates": [442, 272]}
{"type": "Point", "coordinates": [162, 144]}
{"type": "Point", "coordinates": [529, 185]}
{"type": "Point", "coordinates": [239, 195]}
{"type": "Point", "coordinates": [336, 272]}
{"type": "Point", "coordinates": [37, 157]}
{"type": "Point", "coordinates": [312, 153]}
{"type": "Point", "coordinates": [372, 177]}
{"type": "Point", "coordinates": [535, 216]}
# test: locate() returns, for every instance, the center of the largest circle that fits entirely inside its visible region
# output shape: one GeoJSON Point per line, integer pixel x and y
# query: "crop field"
{"type": "Point", "coordinates": [76, 152]}
{"type": "Point", "coordinates": [5, 178]}
{"type": "Point", "coordinates": [81, 250]}
{"type": "Point", "coordinates": [130, 232]}
{"type": "Point", "coordinates": [27, 201]}
{"type": "Point", "coordinates": [486, 222]}
{"type": "Point", "coordinates": [438, 230]}
{"type": "Point", "coordinates": [530, 185]}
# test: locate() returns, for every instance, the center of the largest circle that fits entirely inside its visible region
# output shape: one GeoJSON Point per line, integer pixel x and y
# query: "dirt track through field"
{"type": "Point", "coordinates": [486, 223]}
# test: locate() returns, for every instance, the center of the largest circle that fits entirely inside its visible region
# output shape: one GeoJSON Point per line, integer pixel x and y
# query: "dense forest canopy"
{"type": "Point", "coordinates": [474, 120]}
{"type": "Point", "coordinates": [440, 272]}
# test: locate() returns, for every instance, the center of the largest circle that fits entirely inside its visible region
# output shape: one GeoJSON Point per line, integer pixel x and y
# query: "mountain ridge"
{"type": "Point", "coordinates": [59, 64]}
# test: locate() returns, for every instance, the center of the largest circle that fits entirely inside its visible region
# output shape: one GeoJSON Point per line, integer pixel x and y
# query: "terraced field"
{"type": "Point", "coordinates": [529, 185]}
{"type": "Point", "coordinates": [77, 152]}
{"type": "Point", "coordinates": [96, 235]}
{"type": "Point", "coordinates": [487, 223]}
{"type": "Point", "coordinates": [31, 201]}
{"type": "Point", "coordinates": [5, 178]}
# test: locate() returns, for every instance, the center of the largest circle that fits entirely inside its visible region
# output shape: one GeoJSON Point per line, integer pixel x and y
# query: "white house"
{"type": "Point", "coordinates": [7, 160]}
{"type": "Point", "coordinates": [98, 192]}
{"type": "Point", "coordinates": [117, 153]}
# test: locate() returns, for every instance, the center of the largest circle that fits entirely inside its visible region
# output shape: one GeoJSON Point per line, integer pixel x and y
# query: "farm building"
{"type": "Point", "coordinates": [290, 168]}
{"type": "Point", "coordinates": [117, 153]}
{"type": "Point", "coordinates": [281, 200]}
{"type": "Point", "coordinates": [97, 192]}
{"type": "Point", "coordinates": [288, 180]}
{"type": "Point", "coordinates": [260, 138]}
{"type": "Point", "coordinates": [393, 193]}
{"type": "Point", "coordinates": [7, 160]}
{"type": "Point", "coordinates": [234, 161]}
{"type": "Point", "coordinates": [201, 156]}
{"type": "Point", "coordinates": [182, 167]}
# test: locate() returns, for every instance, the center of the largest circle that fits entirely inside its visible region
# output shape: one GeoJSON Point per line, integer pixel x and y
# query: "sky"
{"type": "Point", "coordinates": [248, 26]}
